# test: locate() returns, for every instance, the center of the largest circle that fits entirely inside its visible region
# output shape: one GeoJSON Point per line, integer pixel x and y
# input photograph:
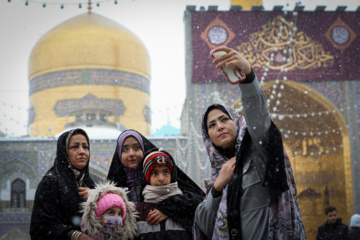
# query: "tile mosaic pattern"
{"type": "Point", "coordinates": [89, 77]}
{"type": "Point", "coordinates": [66, 107]}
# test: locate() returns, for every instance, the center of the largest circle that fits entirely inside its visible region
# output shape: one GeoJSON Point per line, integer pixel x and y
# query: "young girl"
{"type": "Point", "coordinates": [108, 214]}
{"type": "Point", "coordinates": [125, 169]}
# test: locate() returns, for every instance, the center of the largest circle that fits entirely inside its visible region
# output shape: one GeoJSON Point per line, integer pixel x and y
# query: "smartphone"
{"type": "Point", "coordinates": [233, 74]}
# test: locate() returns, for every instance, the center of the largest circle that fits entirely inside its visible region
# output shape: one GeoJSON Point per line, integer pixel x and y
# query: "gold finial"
{"type": "Point", "coordinates": [89, 6]}
{"type": "Point", "coordinates": [246, 4]}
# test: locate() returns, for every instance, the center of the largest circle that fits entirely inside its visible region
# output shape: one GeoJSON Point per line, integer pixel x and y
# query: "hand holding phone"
{"type": "Point", "coordinates": [233, 74]}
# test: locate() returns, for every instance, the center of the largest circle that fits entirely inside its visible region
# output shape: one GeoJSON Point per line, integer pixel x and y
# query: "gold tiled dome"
{"type": "Point", "coordinates": [89, 71]}
{"type": "Point", "coordinates": [89, 40]}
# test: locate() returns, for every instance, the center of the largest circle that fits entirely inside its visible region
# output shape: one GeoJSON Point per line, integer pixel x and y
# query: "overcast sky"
{"type": "Point", "coordinates": [158, 23]}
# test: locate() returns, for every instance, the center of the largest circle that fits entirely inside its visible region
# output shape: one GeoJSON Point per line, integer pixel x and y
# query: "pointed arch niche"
{"type": "Point", "coordinates": [16, 178]}
{"type": "Point", "coordinates": [316, 139]}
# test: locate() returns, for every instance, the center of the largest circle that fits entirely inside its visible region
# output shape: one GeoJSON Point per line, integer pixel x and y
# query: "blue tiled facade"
{"type": "Point", "coordinates": [89, 77]}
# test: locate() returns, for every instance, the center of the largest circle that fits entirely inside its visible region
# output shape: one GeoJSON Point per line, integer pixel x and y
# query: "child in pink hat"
{"type": "Point", "coordinates": [108, 214]}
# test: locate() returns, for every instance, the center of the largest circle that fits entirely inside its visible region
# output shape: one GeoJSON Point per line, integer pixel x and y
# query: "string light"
{"type": "Point", "coordinates": [12, 120]}
{"type": "Point", "coordinates": [281, 116]}
{"type": "Point", "coordinates": [62, 4]}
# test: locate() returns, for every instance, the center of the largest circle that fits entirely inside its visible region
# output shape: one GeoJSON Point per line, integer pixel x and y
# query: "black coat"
{"type": "Point", "coordinates": [354, 233]}
{"type": "Point", "coordinates": [162, 231]}
{"type": "Point", "coordinates": [56, 208]}
{"type": "Point", "coordinates": [181, 208]}
{"type": "Point", "coordinates": [336, 231]}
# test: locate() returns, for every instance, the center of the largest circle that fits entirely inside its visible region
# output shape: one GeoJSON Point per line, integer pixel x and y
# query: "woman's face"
{"type": "Point", "coordinates": [79, 151]}
{"type": "Point", "coordinates": [131, 153]}
{"type": "Point", "coordinates": [221, 129]}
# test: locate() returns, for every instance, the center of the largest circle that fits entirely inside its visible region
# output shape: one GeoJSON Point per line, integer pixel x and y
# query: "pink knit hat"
{"type": "Point", "coordinates": [110, 200]}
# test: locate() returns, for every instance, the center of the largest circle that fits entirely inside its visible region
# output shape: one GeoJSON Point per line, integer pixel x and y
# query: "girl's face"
{"type": "Point", "coordinates": [221, 129]}
{"type": "Point", "coordinates": [79, 151]}
{"type": "Point", "coordinates": [114, 211]}
{"type": "Point", "coordinates": [131, 153]}
{"type": "Point", "coordinates": [160, 175]}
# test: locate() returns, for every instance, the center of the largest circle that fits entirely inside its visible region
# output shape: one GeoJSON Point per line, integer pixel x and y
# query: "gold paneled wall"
{"type": "Point", "coordinates": [317, 143]}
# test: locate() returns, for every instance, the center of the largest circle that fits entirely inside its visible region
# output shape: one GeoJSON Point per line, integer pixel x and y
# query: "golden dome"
{"type": "Point", "coordinates": [89, 41]}
{"type": "Point", "coordinates": [89, 71]}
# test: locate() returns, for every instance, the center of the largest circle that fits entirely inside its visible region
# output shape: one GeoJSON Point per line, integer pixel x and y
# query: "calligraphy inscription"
{"type": "Point", "coordinates": [279, 46]}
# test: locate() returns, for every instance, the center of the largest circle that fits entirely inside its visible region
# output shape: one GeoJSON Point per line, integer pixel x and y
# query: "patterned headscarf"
{"type": "Point", "coordinates": [217, 159]}
{"type": "Point", "coordinates": [79, 174]}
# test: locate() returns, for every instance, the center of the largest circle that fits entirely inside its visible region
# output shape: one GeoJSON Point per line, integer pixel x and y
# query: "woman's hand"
{"type": "Point", "coordinates": [83, 192]}
{"type": "Point", "coordinates": [225, 175]}
{"type": "Point", "coordinates": [155, 217]}
{"type": "Point", "coordinates": [231, 58]}
{"type": "Point", "coordinates": [83, 236]}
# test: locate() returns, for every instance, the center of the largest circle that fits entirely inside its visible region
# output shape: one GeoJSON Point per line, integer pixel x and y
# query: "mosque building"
{"type": "Point", "coordinates": [93, 73]}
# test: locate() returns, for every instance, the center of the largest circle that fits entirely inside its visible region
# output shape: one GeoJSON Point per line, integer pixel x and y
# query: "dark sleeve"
{"type": "Point", "coordinates": [143, 210]}
{"type": "Point", "coordinates": [215, 193]}
{"type": "Point", "coordinates": [249, 78]}
{"type": "Point", "coordinates": [319, 234]}
{"type": "Point", "coordinates": [181, 208]}
{"type": "Point", "coordinates": [46, 215]}
{"type": "Point", "coordinates": [346, 232]}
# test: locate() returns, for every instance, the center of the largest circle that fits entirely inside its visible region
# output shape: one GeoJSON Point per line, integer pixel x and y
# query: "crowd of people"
{"type": "Point", "coordinates": [251, 195]}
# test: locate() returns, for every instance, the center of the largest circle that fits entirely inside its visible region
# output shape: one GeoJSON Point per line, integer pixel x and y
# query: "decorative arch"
{"type": "Point", "coordinates": [17, 168]}
{"type": "Point", "coordinates": [310, 193]}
